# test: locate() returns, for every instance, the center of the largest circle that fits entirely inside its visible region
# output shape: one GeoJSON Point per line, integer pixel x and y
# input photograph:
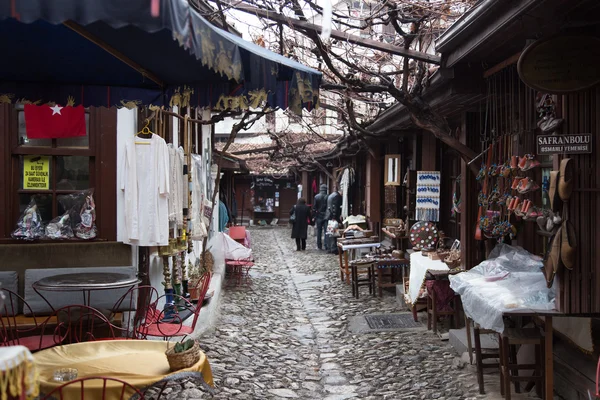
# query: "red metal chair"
{"type": "Point", "coordinates": [79, 323]}
{"type": "Point", "coordinates": [12, 333]}
{"type": "Point", "coordinates": [238, 269]}
{"type": "Point", "coordinates": [238, 233]}
{"type": "Point", "coordinates": [127, 390]}
{"type": "Point", "coordinates": [156, 324]}
{"type": "Point", "coordinates": [598, 380]}
{"type": "Point", "coordinates": [136, 301]}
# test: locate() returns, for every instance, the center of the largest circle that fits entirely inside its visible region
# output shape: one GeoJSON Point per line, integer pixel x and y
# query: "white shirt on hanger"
{"type": "Point", "coordinates": [145, 181]}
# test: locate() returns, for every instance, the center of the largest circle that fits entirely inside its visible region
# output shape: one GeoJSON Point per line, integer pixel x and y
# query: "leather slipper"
{"type": "Point", "coordinates": [553, 262]}
{"type": "Point", "coordinates": [568, 247]}
{"type": "Point", "coordinates": [553, 190]}
{"type": "Point", "coordinates": [566, 179]}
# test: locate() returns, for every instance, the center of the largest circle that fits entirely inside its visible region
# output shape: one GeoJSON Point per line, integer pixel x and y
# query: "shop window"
{"type": "Point", "coordinates": [46, 169]}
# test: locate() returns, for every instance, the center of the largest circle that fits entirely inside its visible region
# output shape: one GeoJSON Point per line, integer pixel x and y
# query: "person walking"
{"type": "Point", "coordinates": [302, 215]}
{"type": "Point", "coordinates": [334, 213]}
{"type": "Point", "coordinates": [318, 211]}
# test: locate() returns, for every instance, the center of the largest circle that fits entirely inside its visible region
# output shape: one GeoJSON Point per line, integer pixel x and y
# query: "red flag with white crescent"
{"type": "Point", "coordinates": [46, 122]}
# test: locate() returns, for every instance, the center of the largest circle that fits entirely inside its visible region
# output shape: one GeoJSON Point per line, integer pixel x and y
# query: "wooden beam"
{"type": "Point", "coordinates": [500, 66]}
{"type": "Point", "coordinates": [268, 148]}
{"type": "Point", "coordinates": [114, 52]}
{"type": "Point", "coordinates": [354, 39]}
{"type": "Point", "coordinates": [481, 31]}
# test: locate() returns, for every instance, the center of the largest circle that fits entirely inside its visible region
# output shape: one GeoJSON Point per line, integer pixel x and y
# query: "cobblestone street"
{"type": "Point", "coordinates": [286, 336]}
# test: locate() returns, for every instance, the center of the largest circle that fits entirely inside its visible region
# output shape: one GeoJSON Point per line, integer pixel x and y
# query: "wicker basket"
{"type": "Point", "coordinates": [178, 361]}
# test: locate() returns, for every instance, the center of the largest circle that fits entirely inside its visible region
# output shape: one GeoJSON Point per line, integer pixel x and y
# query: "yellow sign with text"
{"type": "Point", "coordinates": [36, 172]}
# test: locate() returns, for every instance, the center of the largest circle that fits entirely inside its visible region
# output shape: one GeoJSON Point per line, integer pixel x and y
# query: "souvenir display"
{"type": "Point", "coordinates": [86, 229]}
{"type": "Point", "coordinates": [423, 235]}
{"type": "Point", "coordinates": [428, 196]}
{"type": "Point", "coordinates": [504, 193]}
{"type": "Point", "coordinates": [29, 225]}
{"type": "Point", "coordinates": [60, 228]}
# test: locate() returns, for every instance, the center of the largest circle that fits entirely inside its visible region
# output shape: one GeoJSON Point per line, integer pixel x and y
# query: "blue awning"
{"type": "Point", "coordinates": [107, 52]}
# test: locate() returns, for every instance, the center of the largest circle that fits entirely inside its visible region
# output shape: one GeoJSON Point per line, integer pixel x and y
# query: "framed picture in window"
{"type": "Point", "coordinates": [392, 170]}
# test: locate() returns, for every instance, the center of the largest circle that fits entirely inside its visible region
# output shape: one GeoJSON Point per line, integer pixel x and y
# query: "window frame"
{"type": "Point", "coordinates": [102, 155]}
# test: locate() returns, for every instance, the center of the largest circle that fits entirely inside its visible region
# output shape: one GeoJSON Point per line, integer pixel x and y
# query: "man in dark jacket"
{"type": "Point", "coordinates": [334, 213]}
{"type": "Point", "coordinates": [318, 212]}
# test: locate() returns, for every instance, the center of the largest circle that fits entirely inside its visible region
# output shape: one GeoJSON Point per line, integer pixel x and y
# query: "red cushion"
{"type": "Point", "coordinates": [237, 232]}
{"type": "Point", "coordinates": [167, 330]}
{"type": "Point", "coordinates": [240, 262]}
{"type": "Point", "coordinates": [33, 342]}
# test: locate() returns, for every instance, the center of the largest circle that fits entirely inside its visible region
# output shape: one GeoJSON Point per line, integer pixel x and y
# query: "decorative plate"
{"type": "Point", "coordinates": [423, 235]}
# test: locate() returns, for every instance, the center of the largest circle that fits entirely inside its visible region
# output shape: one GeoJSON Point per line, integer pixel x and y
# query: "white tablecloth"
{"type": "Point", "coordinates": [419, 266]}
{"type": "Point", "coordinates": [360, 246]}
{"type": "Point", "coordinates": [16, 362]}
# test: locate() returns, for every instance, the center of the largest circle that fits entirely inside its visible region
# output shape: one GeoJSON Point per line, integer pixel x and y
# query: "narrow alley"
{"type": "Point", "coordinates": [286, 335]}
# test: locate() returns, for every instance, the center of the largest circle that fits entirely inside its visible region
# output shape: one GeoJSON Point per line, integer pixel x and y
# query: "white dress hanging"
{"type": "Point", "coordinates": [145, 182]}
{"type": "Point", "coordinates": [176, 178]}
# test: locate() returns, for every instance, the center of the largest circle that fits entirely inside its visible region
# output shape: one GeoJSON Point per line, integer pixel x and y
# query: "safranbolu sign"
{"type": "Point", "coordinates": [564, 144]}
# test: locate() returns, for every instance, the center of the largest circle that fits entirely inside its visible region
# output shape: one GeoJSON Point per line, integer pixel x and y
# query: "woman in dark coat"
{"type": "Point", "coordinates": [300, 227]}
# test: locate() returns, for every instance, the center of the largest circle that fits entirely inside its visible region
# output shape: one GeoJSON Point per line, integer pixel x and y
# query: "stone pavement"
{"type": "Point", "coordinates": [285, 336]}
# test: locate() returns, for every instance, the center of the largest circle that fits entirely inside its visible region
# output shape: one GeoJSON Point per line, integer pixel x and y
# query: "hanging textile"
{"type": "Point", "coordinates": [347, 178]}
{"type": "Point", "coordinates": [198, 228]}
{"type": "Point", "coordinates": [223, 216]}
{"type": "Point", "coordinates": [428, 196]}
{"type": "Point", "coordinates": [176, 196]}
{"type": "Point", "coordinates": [145, 181]}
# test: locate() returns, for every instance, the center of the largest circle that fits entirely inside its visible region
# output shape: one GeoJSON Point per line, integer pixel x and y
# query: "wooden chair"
{"type": "Point", "coordinates": [367, 271]}
{"type": "Point", "coordinates": [509, 366]}
{"type": "Point", "coordinates": [126, 390]}
{"type": "Point", "coordinates": [393, 267]}
{"type": "Point", "coordinates": [36, 336]}
{"type": "Point", "coordinates": [437, 307]}
{"type": "Point", "coordinates": [479, 354]}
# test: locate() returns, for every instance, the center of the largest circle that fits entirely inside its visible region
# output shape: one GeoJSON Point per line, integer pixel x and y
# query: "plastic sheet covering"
{"type": "Point", "coordinates": [223, 245]}
{"type": "Point", "coordinates": [510, 279]}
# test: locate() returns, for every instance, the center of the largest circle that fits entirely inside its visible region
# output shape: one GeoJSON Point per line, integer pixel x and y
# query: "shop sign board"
{"type": "Point", "coordinates": [580, 143]}
{"type": "Point", "coordinates": [561, 64]}
{"type": "Point", "coordinates": [36, 172]}
{"type": "Point", "coordinates": [263, 181]}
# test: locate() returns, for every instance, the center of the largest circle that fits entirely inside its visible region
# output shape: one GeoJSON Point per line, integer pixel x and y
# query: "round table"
{"type": "Point", "coordinates": [137, 362]}
{"type": "Point", "coordinates": [84, 281]}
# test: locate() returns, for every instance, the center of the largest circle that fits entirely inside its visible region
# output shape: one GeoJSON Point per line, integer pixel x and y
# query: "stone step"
{"type": "Point", "coordinates": [458, 340]}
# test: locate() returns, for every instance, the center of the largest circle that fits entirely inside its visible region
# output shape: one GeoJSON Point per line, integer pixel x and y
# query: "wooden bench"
{"type": "Point", "coordinates": [30, 322]}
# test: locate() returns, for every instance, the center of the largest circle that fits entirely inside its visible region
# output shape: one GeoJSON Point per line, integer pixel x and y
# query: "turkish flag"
{"type": "Point", "coordinates": [45, 122]}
